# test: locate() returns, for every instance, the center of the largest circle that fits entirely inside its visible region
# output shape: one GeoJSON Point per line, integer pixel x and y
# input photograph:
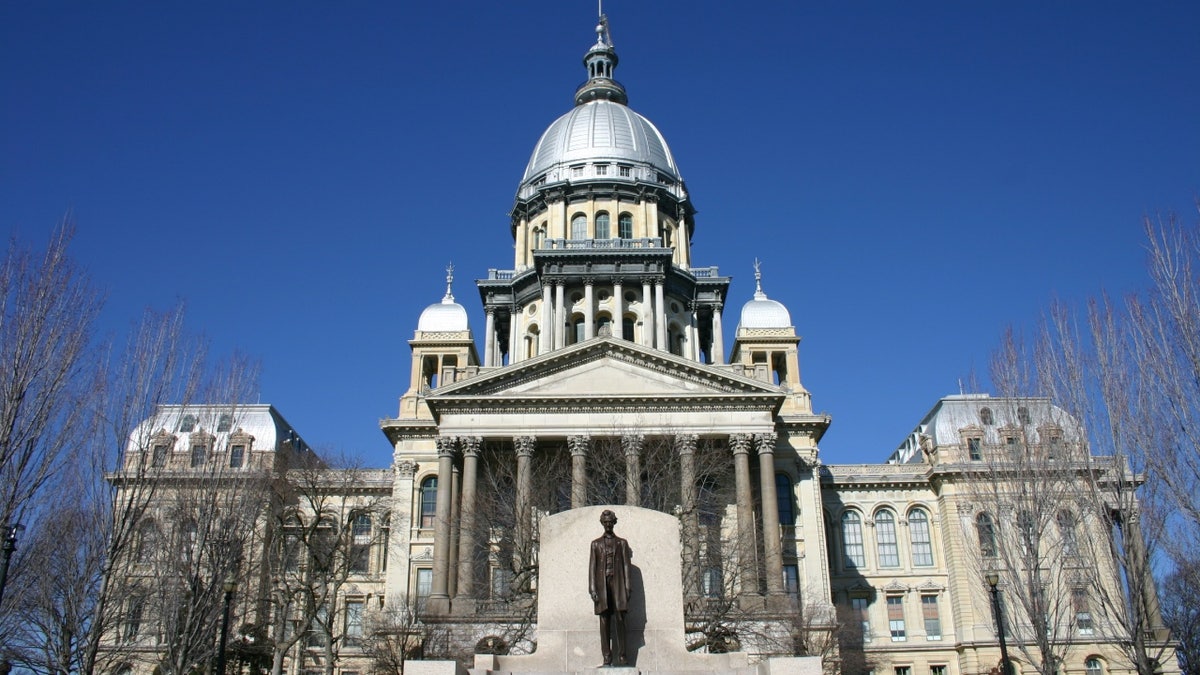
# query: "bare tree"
{"type": "Point", "coordinates": [398, 632]}
{"type": "Point", "coordinates": [323, 524]}
{"type": "Point", "coordinates": [47, 311]}
{"type": "Point", "coordinates": [1181, 610]}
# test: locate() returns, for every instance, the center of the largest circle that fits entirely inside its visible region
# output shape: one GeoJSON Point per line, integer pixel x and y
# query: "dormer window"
{"type": "Point", "coordinates": [225, 422]}
{"type": "Point", "coordinates": [187, 424]}
{"type": "Point", "coordinates": [986, 417]}
{"type": "Point", "coordinates": [601, 169]}
{"type": "Point", "coordinates": [1023, 415]}
{"type": "Point", "coordinates": [625, 171]}
{"type": "Point", "coordinates": [577, 172]}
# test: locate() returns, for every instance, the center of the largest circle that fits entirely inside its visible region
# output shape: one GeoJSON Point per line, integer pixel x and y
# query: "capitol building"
{"type": "Point", "coordinates": [613, 369]}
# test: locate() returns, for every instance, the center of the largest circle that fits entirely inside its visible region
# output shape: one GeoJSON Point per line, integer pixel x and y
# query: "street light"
{"type": "Point", "coordinates": [993, 579]}
{"type": "Point", "coordinates": [230, 588]}
{"type": "Point", "coordinates": [10, 545]}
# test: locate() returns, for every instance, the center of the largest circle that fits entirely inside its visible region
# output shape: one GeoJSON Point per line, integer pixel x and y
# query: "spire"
{"type": "Point", "coordinates": [758, 291]}
{"type": "Point", "coordinates": [600, 62]}
{"type": "Point", "coordinates": [449, 280]}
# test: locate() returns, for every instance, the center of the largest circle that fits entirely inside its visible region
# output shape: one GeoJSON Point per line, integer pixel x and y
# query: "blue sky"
{"type": "Point", "coordinates": [914, 176]}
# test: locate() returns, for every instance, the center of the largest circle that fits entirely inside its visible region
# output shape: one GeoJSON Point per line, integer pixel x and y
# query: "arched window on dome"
{"type": "Point", "coordinates": [602, 231]}
{"type": "Point", "coordinates": [539, 236]}
{"type": "Point", "coordinates": [625, 226]}
{"type": "Point", "coordinates": [627, 324]}
{"type": "Point", "coordinates": [675, 339]}
{"type": "Point", "coordinates": [577, 327]}
{"type": "Point", "coordinates": [579, 226]}
{"type": "Point", "coordinates": [531, 342]}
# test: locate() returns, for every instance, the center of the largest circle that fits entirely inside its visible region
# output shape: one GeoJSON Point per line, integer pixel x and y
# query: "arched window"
{"type": "Point", "coordinates": [577, 327]}
{"type": "Point", "coordinates": [602, 225]}
{"type": "Point", "coordinates": [579, 226]}
{"type": "Point", "coordinates": [885, 539]}
{"type": "Point", "coordinates": [986, 528]}
{"type": "Point", "coordinates": [918, 531]}
{"type": "Point", "coordinates": [1067, 533]}
{"type": "Point", "coordinates": [1093, 666]}
{"type": "Point", "coordinates": [852, 540]}
{"type": "Point", "coordinates": [627, 328]}
{"type": "Point", "coordinates": [625, 226]}
{"type": "Point", "coordinates": [783, 495]}
{"type": "Point", "coordinates": [539, 237]}
{"type": "Point", "coordinates": [604, 325]}
{"type": "Point", "coordinates": [429, 488]}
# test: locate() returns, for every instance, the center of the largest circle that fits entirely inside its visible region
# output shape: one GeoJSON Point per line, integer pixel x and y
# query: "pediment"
{"type": "Point", "coordinates": [606, 368]}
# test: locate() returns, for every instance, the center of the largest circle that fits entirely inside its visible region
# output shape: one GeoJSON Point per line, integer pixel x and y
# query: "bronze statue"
{"type": "Point", "coordinates": [608, 584]}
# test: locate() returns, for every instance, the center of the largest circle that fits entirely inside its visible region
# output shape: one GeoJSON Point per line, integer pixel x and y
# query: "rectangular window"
{"type": "Point", "coordinates": [159, 459]}
{"type": "Point", "coordinates": [354, 623]}
{"type": "Point", "coordinates": [360, 558]}
{"type": "Point", "coordinates": [1083, 611]}
{"type": "Point", "coordinates": [316, 628]}
{"type": "Point", "coordinates": [133, 618]}
{"type": "Point", "coordinates": [895, 610]}
{"type": "Point", "coordinates": [933, 621]}
{"type": "Point", "coordinates": [861, 610]}
{"type": "Point", "coordinates": [576, 171]}
{"type": "Point", "coordinates": [237, 456]}
{"type": "Point", "coordinates": [224, 422]}
{"type": "Point", "coordinates": [291, 552]}
{"type": "Point", "coordinates": [625, 171]}
{"type": "Point", "coordinates": [937, 670]}
{"type": "Point", "coordinates": [973, 449]}
{"type": "Point", "coordinates": [791, 580]}
{"type": "Point", "coordinates": [197, 456]}
{"type": "Point", "coordinates": [501, 582]}
{"type": "Point", "coordinates": [424, 582]}
{"type": "Point", "coordinates": [601, 169]}
{"type": "Point", "coordinates": [903, 670]}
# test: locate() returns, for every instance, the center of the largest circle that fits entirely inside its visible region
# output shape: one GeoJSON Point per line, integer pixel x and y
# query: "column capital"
{"type": "Point", "coordinates": [446, 446]}
{"type": "Point", "coordinates": [406, 468]}
{"type": "Point", "coordinates": [685, 444]}
{"type": "Point", "coordinates": [489, 309]}
{"type": "Point", "coordinates": [470, 445]}
{"type": "Point", "coordinates": [765, 443]}
{"type": "Point", "coordinates": [632, 443]}
{"type": "Point", "coordinates": [525, 445]}
{"type": "Point", "coordinates": [579, 445]}
{"type": "Point", "coordinates": [589, 281]}
{"type": "Point", "coordinates": [739, 443]}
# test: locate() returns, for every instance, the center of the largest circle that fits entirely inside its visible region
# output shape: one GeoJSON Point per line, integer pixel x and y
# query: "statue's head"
{"type": "Point", "coordinates": [608, 517]}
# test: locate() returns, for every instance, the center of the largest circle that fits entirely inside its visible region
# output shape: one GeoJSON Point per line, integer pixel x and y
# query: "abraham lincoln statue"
{"type": "Point", "coordinates": [608, 584]}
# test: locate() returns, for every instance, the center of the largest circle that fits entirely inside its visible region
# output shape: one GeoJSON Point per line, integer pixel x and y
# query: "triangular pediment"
{"type": "Point", "coordinates": [606, 368]}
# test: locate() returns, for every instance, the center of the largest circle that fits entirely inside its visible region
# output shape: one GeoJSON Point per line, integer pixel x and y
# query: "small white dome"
{"type": "Point", "coordinates": [444, 316]}
{"type": "Point", "coordinates": [762, 312]}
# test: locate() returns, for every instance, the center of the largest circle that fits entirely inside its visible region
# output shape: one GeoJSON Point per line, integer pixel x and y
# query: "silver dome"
{"type": "Point", "coordinates": [445, 316]}
{"type": "Point", "coordinates": [599, 130]}
{"type": "Point", "coordinates": [763, 312]}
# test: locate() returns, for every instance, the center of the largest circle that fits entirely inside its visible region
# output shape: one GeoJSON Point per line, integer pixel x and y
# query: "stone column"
{"type": "Point", "coordinates": [489, 336]}
{"type": "Point", "coordinates": [466, 534]}
{"type": "Point", "coordinates": [524, 446]}
{"type": "Point", "coordinates": [718, 348]}
{"type": "Point", "coordinates": [579, 446]}
{"type": "Point", "coordinates": [693, 335]}
{"type": "Point", "coordinates": [546, 330]}
{"type": "Point", "coordinates": [455, 515]}
{"type": "Point", "coordinates": [660, 316]}
{"type": "Point", "coordinates": [514, 337]}
{"type": "Point", "coordinates": [740, 445]}
{"type": "Point", "coordinates": [685, 445]}
{"type": "Point", "coordinates": [647, 314]}
{"type": "Point", "coordinates": [589, 310]}
{"type": "Point", "coordinates": [439, 596]}
{"type": "Point", "coordinates": [765, 444]}
{"type": "Point", "coordinates": [632, 444]}
{"type": "Point", "coordinates": [561, 315]}
{"type": "Point", "coordinates": [618, 310]}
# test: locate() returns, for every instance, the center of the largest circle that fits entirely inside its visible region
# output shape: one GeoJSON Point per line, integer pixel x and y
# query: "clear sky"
{"type": "Point", "coordinates": [914, 176]}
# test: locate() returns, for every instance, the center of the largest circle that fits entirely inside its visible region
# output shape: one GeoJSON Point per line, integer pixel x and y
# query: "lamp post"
{"type": "Point", "coordinates": [230, 588]}
{"type": "Point", "coordinates": [10, 545]}
{"type": "Point", "coordinates": [993, 579]}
